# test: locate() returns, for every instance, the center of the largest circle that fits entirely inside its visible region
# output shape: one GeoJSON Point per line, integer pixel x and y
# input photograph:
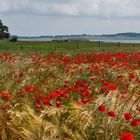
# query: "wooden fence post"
{"type": "Point", "coordinates": [118, 44]}
{"type": "Point", "coordinates": [77, 44]}
{"type": "Point", "coordinates": [99, 43]}
{"type": "Point", "coordinates": [22, 46]}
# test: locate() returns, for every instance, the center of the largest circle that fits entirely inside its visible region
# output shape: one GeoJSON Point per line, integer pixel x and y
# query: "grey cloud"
{"type": "Point", "coordinates": [99, 8]}
{"type": "Point", "coordinates": [32, 25]}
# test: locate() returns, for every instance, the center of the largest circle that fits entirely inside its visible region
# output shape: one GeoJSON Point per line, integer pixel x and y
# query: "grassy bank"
{"type": "Point", "coordinates": [61, 46]}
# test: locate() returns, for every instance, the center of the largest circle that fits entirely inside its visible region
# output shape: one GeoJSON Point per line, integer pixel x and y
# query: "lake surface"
{"type": "Point", "coordinates": [35, 39]}
{"type": "Point", "coordinates": [102, 40]}
{"type": "Point", "coordinates": [115, 41]}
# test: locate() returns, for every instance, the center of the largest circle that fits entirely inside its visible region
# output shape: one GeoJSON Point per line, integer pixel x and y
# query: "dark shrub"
{"type": "Point", "coordinates": [13, 39]}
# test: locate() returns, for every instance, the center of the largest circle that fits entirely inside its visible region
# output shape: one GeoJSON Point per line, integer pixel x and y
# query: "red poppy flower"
{"type": "Point", "coordinates": [137, 80]}
{"type": "Point", "coordinates": [135, 122]}
{"type": "Point", "coordinates": [131, 76]}
{"type": "Point", "coordinates": [128, 116]}
{"type": "Point", "coordinates": [58, 104]}
{"type": "Point", "coordinates": [111, 113]}
{"type": "Point", "coordinates": [83, 84]}
{"type": "Point", "coordinates": [29, 88]}
{"type": "Point", "coordinates": [67, 89]}
{"type": "Point", "coordinates": [102, 108]}
{"type": "Point", "coordinates": [36, 89]}
{"type": "Point", "coordinates": [46, 102]}
{"type": "Point", "coordinates": [21, 74]}
{"type": "Point", "coordinates": [77, 84]}
{"type": "Point", "coordinates": [66, 82]}
{"type": "Point", "coordinates": [127, 136]}
{"type": "Point", "coordinates": [53, 95]}
{"type": "Point", "coordinates": [84, 94]}
{"type": "Point", "coordinates": [38, 105]}
{"type": "Point", "coordinates": [138, 108]}
{"type": "Point", "coordinates": [5, 95]}
{"type": "Point", "coordinates": [7, 105]}
{"type": "Point", "coordinates": [20, 93]}
{"type": "Point", "coordinates": [123, 97]}
{"type": "Point", "coordinates": [93, 78]}
{"type": "Point", "coordinates": [91, 71]}
{"type": "Point", "coordinates": [42, 82]}
{"type": "Point", "coordinates": [121, 76]}
{"type": "Point", "coordinates": [18, 81]}
{"type": "Point", "coordinates": [61, 92]}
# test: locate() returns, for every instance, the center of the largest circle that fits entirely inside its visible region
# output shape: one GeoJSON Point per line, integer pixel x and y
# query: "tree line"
{"type": "Point", "coordinates": [4, 31]}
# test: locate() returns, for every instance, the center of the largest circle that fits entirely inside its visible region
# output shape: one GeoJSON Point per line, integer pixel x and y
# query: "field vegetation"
{"type": "Point", "coordinates": [69, 91]}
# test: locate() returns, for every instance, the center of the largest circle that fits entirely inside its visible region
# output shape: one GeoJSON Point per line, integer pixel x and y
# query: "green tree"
{"type": "Point", "coordinates": [4, 33]}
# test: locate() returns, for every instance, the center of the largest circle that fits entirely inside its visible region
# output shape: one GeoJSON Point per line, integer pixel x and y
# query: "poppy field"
{"type": "Point", "coordinates": [70, 96]}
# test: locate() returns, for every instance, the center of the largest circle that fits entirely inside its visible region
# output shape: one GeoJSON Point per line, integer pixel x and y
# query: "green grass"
{"type": "Point", "coordinates": [64, 47]}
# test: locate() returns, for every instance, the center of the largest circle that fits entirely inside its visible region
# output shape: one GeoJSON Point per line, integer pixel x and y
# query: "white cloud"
{"type": "Point", "coordinates": [95, 8]}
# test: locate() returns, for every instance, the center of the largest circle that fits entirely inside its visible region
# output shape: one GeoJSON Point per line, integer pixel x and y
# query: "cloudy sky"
{"type": "Point", "coordinates": [53, 17]}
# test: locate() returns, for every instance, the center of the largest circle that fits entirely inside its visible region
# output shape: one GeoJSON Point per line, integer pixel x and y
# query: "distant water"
{"type": "Point", "coordinates": [35, 39]}
{"type": "Point", "coordinates": [115, 41]}
{"type": "Point", "coordinates": [102, 40]}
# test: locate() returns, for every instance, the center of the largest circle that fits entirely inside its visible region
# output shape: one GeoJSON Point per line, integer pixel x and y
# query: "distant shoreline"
{"type": "Point", "coordinates": [120, 37]}
{"type": "Point", "coordinates": [94, 40]}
